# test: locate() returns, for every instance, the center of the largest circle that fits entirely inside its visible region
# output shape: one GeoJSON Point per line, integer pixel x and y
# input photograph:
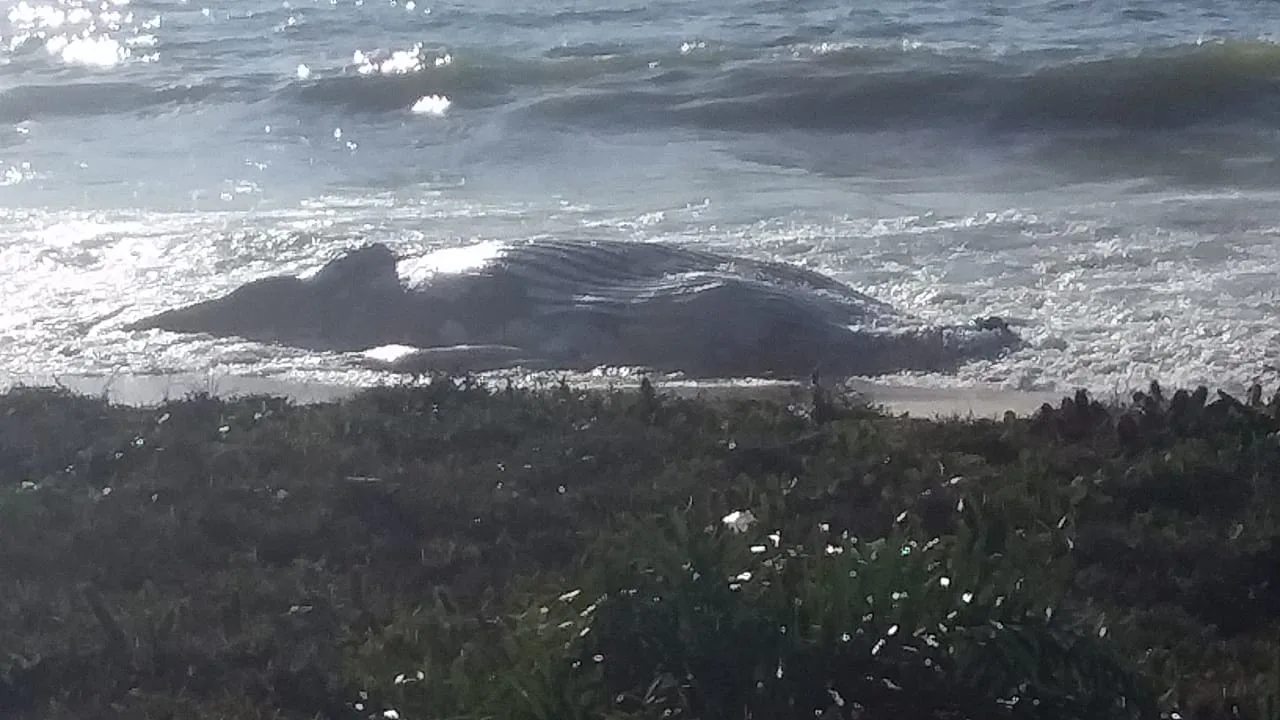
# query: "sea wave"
{"type": "Point", "coordinates": [386, 81]}
{"type": "Point", "coordinates": [852, 89]}
{"type": "Point", "coordinates": [705, 86]}
{"type": "Point", "coordinates": [27, 102]}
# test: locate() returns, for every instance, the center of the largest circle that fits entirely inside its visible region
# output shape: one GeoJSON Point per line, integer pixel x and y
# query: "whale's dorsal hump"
{"type": "Point", "coordinates": [371, 266]}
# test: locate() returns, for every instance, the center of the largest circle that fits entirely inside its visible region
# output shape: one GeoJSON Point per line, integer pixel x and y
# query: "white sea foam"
{"type": "Point", "coordinates": [15, 173]}
{"type": "Point", "coordinates": [436, 105]}
{"type": "Point", "coordinates": [398, 62]}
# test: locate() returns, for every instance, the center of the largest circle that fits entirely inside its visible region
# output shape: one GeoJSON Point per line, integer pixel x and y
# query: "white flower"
{"type": "Point", "coordinates": [739, 520]}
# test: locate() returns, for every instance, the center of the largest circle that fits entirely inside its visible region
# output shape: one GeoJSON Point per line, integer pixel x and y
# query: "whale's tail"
{"type": "Point", "coordinates": [260, 309]}
{"type": "Point", "coordinates": [343, 306]}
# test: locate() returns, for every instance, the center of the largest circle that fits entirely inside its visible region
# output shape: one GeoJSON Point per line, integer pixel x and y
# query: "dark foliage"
{"type": "Point", "coordinates": [257, 559]}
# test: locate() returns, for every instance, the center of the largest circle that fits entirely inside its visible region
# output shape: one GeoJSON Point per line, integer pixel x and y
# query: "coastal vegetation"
{"type": "Point", "coordinates": [451, 550]}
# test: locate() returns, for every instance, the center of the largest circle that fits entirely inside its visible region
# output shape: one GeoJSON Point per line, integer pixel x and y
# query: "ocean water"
{"type": "Point", "coordinates": [1104, 173]}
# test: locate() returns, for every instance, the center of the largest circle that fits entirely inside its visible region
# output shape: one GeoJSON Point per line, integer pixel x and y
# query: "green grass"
{"type": "Point", "coordinates": [451, 551]}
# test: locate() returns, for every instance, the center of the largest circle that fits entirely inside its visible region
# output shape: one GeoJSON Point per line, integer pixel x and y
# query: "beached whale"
{"type": "Point", "coordinates": [581, 305]}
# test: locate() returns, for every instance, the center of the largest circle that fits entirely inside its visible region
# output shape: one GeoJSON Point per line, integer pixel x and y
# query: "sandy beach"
{"type": "Point", "coordinates": [144, 390]}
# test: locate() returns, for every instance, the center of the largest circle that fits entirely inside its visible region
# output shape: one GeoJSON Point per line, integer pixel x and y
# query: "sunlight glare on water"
{"type": "Point", "coordinates": [90, 34]}
{"type": "Point", "coordinates": [449, 260]}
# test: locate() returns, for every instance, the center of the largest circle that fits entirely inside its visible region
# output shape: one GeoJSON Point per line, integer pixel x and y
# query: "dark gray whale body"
{"type": "Point", "coordinates": [580, 305]}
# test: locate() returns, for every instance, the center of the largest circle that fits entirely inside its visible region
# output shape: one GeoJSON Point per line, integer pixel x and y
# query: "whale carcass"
{"type": "Point", "coordinates": [586, 304]}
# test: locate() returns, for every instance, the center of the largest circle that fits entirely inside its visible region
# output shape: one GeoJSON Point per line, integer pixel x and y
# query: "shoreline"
{"type": "Point", "coordinates": [917, 401]}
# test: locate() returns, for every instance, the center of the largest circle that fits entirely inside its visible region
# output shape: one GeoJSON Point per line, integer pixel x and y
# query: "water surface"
{"type": "Point", "coordinates": [1103, 172]}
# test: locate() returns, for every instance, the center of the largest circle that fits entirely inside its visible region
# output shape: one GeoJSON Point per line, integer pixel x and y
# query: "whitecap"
{"type": "Point", "coordinates": [435, 105]}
